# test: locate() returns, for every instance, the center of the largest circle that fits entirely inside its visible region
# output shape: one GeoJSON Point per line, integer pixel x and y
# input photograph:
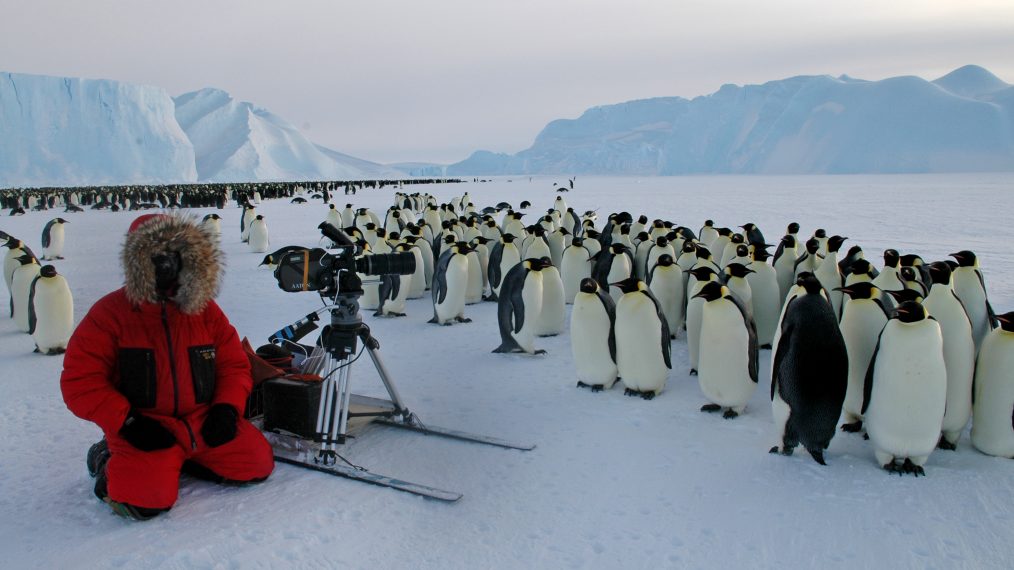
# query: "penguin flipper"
{"type": "Point", "coordinates": [610, 307]}
{"type": "Point", "coordinates": [753, 348]}
{"type": "Point", "coordinates": [46, 239]}
{"type": "Point", "coordinates": [868, 381]}
{"type": "Point", "coordinates": [493, 268]}
{"type": "Point", "coordinates": [780, 350]}
{"type": "Point", "coordinates": [32, 319]}
{"type": "Point", "coordinates": [666, 341]}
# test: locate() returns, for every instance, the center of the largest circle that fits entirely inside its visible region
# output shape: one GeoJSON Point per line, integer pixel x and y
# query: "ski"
{"type": "Point", "coordinates": [372, 478]}
{"type": "Point", "coordinates": [455, 434]}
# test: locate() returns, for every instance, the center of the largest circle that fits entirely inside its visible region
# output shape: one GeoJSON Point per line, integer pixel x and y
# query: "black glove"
{"type": "Point", "coordinates": [220, 426]}
{"type": "Point", "coordinates": [145, 433]}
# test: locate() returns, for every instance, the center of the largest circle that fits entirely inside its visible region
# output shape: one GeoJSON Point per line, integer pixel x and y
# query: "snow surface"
{"type": "Point", "coordinates": [615, 482]}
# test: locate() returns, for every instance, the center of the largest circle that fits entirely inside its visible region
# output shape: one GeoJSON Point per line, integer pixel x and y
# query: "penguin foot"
{"type": "Point", "coordinates": [597, 387]}
{"type": "Point", "coordinates": [730, 414]}
{"type": "Point", "coordinates": [817, 455]}
{"type": "Point", "coordinates": [547, 335]}
{"type": "Point", "coordinates": [693, 372]}
{"type": "Point", "coordinates": [672, 337]}
{"type": "Point", "coordinates": [647, 395]}
{"type": "Point", "coordinates": [399, 314]}
{"type": "Point", "coordinates": [854, 427]}
{"type": "Point", "coordinates": [894, 467]}
{"type": "Point", "coordinates": [944, 444]}
{"type": "Point", "coordinates": [447, 324]}
{"type": "Point", "coordinates": [630, 392]}
{"type": "Point", "coordinates": [540, 351]}
{"type": "Point", "coordinates": [463, 319]}
{"type": "Point", "coordinates": [765, 347]}
{"type": "Point", "coordinates": [711, 408]}
{"type": "Point", "coordinates": [909, 467]}
{"type": "Point", "coordinates": [786, 451]}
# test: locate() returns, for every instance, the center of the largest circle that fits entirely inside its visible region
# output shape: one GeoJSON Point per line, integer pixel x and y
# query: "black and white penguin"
{"type": "Point", "coordinates": [863, 317]}
{"type": "Point", "coordinates": [809, 260]}
{"type": "Point", "coordinates": [810, 374]}
{"type": "Point", "coordinates": [518, 307]}
{"type": "Point", "coordinates": [392, 295]}
{"type": "Point", "coordinates": [766, 300]}
{"type": "Point", "coordinates": [50, 311]}
{"type": "Point", "coordinates": [665, 279]}
{"type": "Point", "coordinates": [258, 238]}
{"type": "Point", "coordinates": [552, 319]}
{"type": "Point", "coordinates": [708, 233]}
{"type": "Point", "coordinates": [52, 239]}
{"type": "Point", "coordinates": [21, 287]}
{"type": "Point", "coordinates": [829, 274]}
{"type": "Point", "coordinates": [502, 258]}
{"type": "Point", "coordinates": [450, 282]}
{"type": "Point", "coordinates": [890, 277]}
{"type": "Point", "coordinates": [993, 410]}
{"type": "Point", "coordinates": [592, 336]}
{"type": "Point", "coordinates": [613, 265]}
{"type": "Point", "coordinates": [212, 223]}
{"type": "Point", "coordinates": [753, 235]}
{"type": "Point", "coordinates": [249, 213]}
{"type": "Point", "coordinates": [970, 287]}
{"type": "Point", "coordinates": [959, 351]}
{"type": "Point", "coordinates": [643, 352]}
{"type": "Point", "coordinates": [699, 277]}
{"type": "Point", "coordinates": [727, 365]}
{"type": "Point", "coordinates": [574, 268]}
{"type": "Point", "coordinates": [906, 390]}
{"type": "Point", "coordinates": [784, 262]}
{"type": "Point", "coordinates": [734, 277]}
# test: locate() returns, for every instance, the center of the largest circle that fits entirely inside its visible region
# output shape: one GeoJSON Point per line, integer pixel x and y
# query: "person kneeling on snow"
{"type": "Point", "coordinates": [158, 366]}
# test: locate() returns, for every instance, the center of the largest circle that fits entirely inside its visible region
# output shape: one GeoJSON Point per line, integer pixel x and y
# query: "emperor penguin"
{"type": "Point", "coordinates": [553, 317]}
{"type": "Point", "coordinates": [15, 249]}
{"type": "Point", "coordinates": [729, 251]}
{"type": "Point", "coordinates": [591, 241]}
{"type": "Point", "coordinates": [52, 239]}
{"type": "Point", "coordinates": [450, 282]}
{"type": "Point", "coordinates": [970, 287]}
{"type": "Point", "coordinates": [727, 367]}
{"type": "Point", "coordinates": [665, 280]}
{"type": "Point", "coordinates": [906, 390]}
{"type": "Point", "coordinates": [392, 295]}
{"type": "Point", "coordinates": [21, 285]}
{"type": "Point", "coordinates": [574, 268]}
{"type": "Point", "coordinates": [959, 352]}
{"type": "Point", "coordinates": [638, 225]}
{"type": "Point", "coordinates": [784, 263]}
{"type": "Point", "coordinates": [643, 352]}
{"type": "Point", "coordinates": [348, 216]}
{"type": "Point", "coordinates": [889, 278]}
{"type": "Point", "coordinates": [708, 233]}
{"type": "Point", "coordinates": [476, 288]}
{"type": "Point", "coordinates": [765, 302]}
{"type": "Point", "coordinates": [717, 247]}
{"type": "Point", "coordinates": [518, 307]}
{"type": "Point", "coordinates": [644, 243]}
{"type": "Point", "coordinates": [659, 247]}
{"type": "Point", "coordinates": [51, 311]}
{"type": "Point", "coordinates": [612, 266]}
{"type": "Point", "coordinates": [480, 245]}
{"type": "Point", "coordinates": [864, 315]}
{"type": "Point", "coordinates": [700, 276]}
{"type": "Point", "coordinates": [212, 223]}
{"type": "Point", "coordinates": [829, 274]}
{"type": "Point", "coordinates": [258, 238]}
{"type": "Point", "coordinates": [537, 247]}
{"type": "Point", "coordinates": [734, 276]}
{"type": "Point", "coordinates": [810, 374]}
{"type": "Point", "coordinates": [417, 286]}
{"type": "Point", "coordinates": [334, 217]}
{"type": "Point", "coordinates": [592, 336]}
{"type": "Point", "coordinates": [809, 260]}
{"type": "Point", "coordinates": [249, 214]}
{"type": "Point", "coordinates": [504, 256]}
{"type": "Point", "coordinates": [993, 410]}
{"type": "Point", "coordinates": [753, 235]}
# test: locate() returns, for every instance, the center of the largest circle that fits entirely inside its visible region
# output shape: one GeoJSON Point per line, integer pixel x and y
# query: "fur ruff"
{"type": "Point", "coordinates": [201, 268]}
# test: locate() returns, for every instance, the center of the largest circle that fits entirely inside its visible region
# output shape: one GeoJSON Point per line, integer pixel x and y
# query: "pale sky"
{"type": "Point", "coordinates": [434, 80]}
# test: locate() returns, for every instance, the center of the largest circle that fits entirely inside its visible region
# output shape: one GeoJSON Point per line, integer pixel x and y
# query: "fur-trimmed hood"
{"type": "Point", "coordinates": [200, 270]}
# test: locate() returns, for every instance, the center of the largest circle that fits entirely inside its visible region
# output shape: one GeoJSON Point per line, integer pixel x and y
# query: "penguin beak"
{"type": "Point", "coordinates": [1003, 319]}
{"type": "Point", "coordinates": [901, 311]}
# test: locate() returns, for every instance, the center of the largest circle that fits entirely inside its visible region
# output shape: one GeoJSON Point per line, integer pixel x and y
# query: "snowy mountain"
{"type": "Point", "coordinates": [63, 131]}
{"type": "Point", "coordinates": [57, 130]}
{"type": "Point", "coordinates": [961, 122]}
{"type": "Point", "coordinates": [236, 141]}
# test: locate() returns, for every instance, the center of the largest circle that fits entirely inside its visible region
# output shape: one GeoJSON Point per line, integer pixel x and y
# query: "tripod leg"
{"type": "Point", "coordinates": [345, 394]}
{"type": "Point", "coordinates": [392, 390]}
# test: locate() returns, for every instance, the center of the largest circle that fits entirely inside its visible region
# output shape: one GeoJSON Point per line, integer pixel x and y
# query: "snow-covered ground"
{"type": "Point", "coordinates": [615, 482]}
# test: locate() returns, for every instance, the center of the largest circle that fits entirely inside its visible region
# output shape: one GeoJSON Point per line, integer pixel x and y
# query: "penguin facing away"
{"type": "Point", "coordinates": [592, 337]}
{"type": "Point", "coordinates": [643, 352]}
{"type": "Point", "coordinates": [971, 289]}
{"type": "Point", "coordinates": [906, 390]}
{"type": "Point", "coordinates": [519, 306]}
{"type": "Point", "coordinates": [727, 365]}
{"type": "Point", "coordinates": [50, 311]}
{"type": "Point", "coordinates": [810, 374]}
{"type": "Point", "coordinates": [993, 402]}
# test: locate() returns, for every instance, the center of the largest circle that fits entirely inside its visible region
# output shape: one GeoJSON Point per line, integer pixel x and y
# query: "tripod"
{"type": "Point", "coordinates": [339, 341]}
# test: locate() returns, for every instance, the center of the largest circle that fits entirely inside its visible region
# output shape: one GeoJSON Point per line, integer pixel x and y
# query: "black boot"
{"type": "Point", "coordinates": [97, 456]}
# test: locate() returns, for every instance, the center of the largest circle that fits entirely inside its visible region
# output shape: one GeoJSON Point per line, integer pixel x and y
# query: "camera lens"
{"type": "Point", "coordinates": [386, 264]}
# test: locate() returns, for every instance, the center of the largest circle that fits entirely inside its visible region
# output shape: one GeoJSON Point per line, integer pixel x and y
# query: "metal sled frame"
{"type": "Point", "coordinates": [339, 406]}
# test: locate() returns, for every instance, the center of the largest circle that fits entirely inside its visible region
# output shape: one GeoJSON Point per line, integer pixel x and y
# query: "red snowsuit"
{"type": "Point", "coordinates": [171, 366]}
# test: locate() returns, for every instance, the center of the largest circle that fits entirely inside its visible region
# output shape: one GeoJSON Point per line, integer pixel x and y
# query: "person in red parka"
{"type": "Point", "coordinates": [158, 366]}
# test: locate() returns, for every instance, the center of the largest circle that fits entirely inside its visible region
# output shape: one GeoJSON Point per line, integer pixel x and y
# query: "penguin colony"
{"type": "Point", "coordinates": [906, 353]}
